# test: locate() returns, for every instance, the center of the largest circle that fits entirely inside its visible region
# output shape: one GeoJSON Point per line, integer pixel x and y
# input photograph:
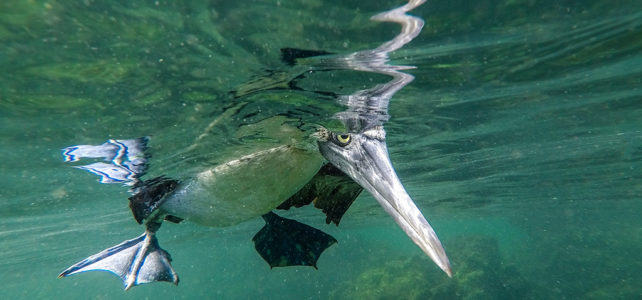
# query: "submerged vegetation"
{"type": "Point", "coordinates": [479, 274]}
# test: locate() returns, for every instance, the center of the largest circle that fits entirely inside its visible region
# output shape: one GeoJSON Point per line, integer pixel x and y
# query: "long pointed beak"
{"type": "Point", "coordinates": [366, 161]}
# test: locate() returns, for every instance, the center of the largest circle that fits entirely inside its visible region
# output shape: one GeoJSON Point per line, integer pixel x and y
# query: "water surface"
{"type": "Point", "coordinates": [520, 139]}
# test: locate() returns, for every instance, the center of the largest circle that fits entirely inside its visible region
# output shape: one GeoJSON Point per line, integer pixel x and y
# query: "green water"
{"type": "Point", "coordinates": [520, 139]}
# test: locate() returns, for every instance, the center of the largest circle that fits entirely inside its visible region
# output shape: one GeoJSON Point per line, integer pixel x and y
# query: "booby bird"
{"type": "Point", "coordinates": [328, 168]}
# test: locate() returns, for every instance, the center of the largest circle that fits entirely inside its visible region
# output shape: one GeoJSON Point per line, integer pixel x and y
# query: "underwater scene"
{"type": "Point", "coordinates": [313, 149]}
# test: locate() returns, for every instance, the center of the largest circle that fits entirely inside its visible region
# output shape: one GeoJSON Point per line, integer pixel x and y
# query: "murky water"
{"type": "Point", "coordinates": [520, 139]}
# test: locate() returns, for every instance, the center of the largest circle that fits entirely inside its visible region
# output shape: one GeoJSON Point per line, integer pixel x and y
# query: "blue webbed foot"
{"type": "Point", "coordinates": [135, 261]}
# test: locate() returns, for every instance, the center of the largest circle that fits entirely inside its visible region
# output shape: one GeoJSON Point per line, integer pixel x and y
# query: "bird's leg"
{"type": "Point", "coordinates": [136, 261]}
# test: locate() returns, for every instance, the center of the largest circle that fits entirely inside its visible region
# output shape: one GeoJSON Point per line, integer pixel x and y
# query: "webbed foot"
{"type": "Point", "coordinates": [283, 242]}
{"type": "Point", "coordinates": [136, 261]}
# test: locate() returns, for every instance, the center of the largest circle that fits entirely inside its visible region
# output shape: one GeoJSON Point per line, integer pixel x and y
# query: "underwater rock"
{"type": "Point", "coordinates": [479, 274]}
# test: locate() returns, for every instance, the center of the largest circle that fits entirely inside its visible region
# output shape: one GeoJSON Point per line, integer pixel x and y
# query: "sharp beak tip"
{"type": "Point", "coordinates": [448, 271]}
{"type": "Point", "coordinates": [444, 264]}
{"type": "Point", "coordinates": [374, 172]}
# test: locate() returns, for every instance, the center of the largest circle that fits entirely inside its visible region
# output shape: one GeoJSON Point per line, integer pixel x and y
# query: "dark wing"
{"type": "Point", "coordinates": [331, 191]}
{"type": "Point", "coordinates": [290, 55]}
{"type": "Point", "coordinates": [280, 79]}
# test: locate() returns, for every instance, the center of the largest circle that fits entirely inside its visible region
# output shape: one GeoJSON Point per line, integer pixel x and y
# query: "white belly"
{"type": "Point", "coordinates": [244, 188]}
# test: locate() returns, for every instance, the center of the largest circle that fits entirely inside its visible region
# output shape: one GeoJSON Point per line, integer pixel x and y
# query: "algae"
{"type": "Point", "coordinates": [479, 273]}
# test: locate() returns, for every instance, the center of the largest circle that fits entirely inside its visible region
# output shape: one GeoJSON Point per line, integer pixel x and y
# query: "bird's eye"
{"type": "Point", "coordinates": [342, 139]}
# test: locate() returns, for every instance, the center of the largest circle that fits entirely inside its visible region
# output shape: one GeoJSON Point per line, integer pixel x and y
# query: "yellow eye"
{"type": "Point", "coordinates": [342, 139]}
